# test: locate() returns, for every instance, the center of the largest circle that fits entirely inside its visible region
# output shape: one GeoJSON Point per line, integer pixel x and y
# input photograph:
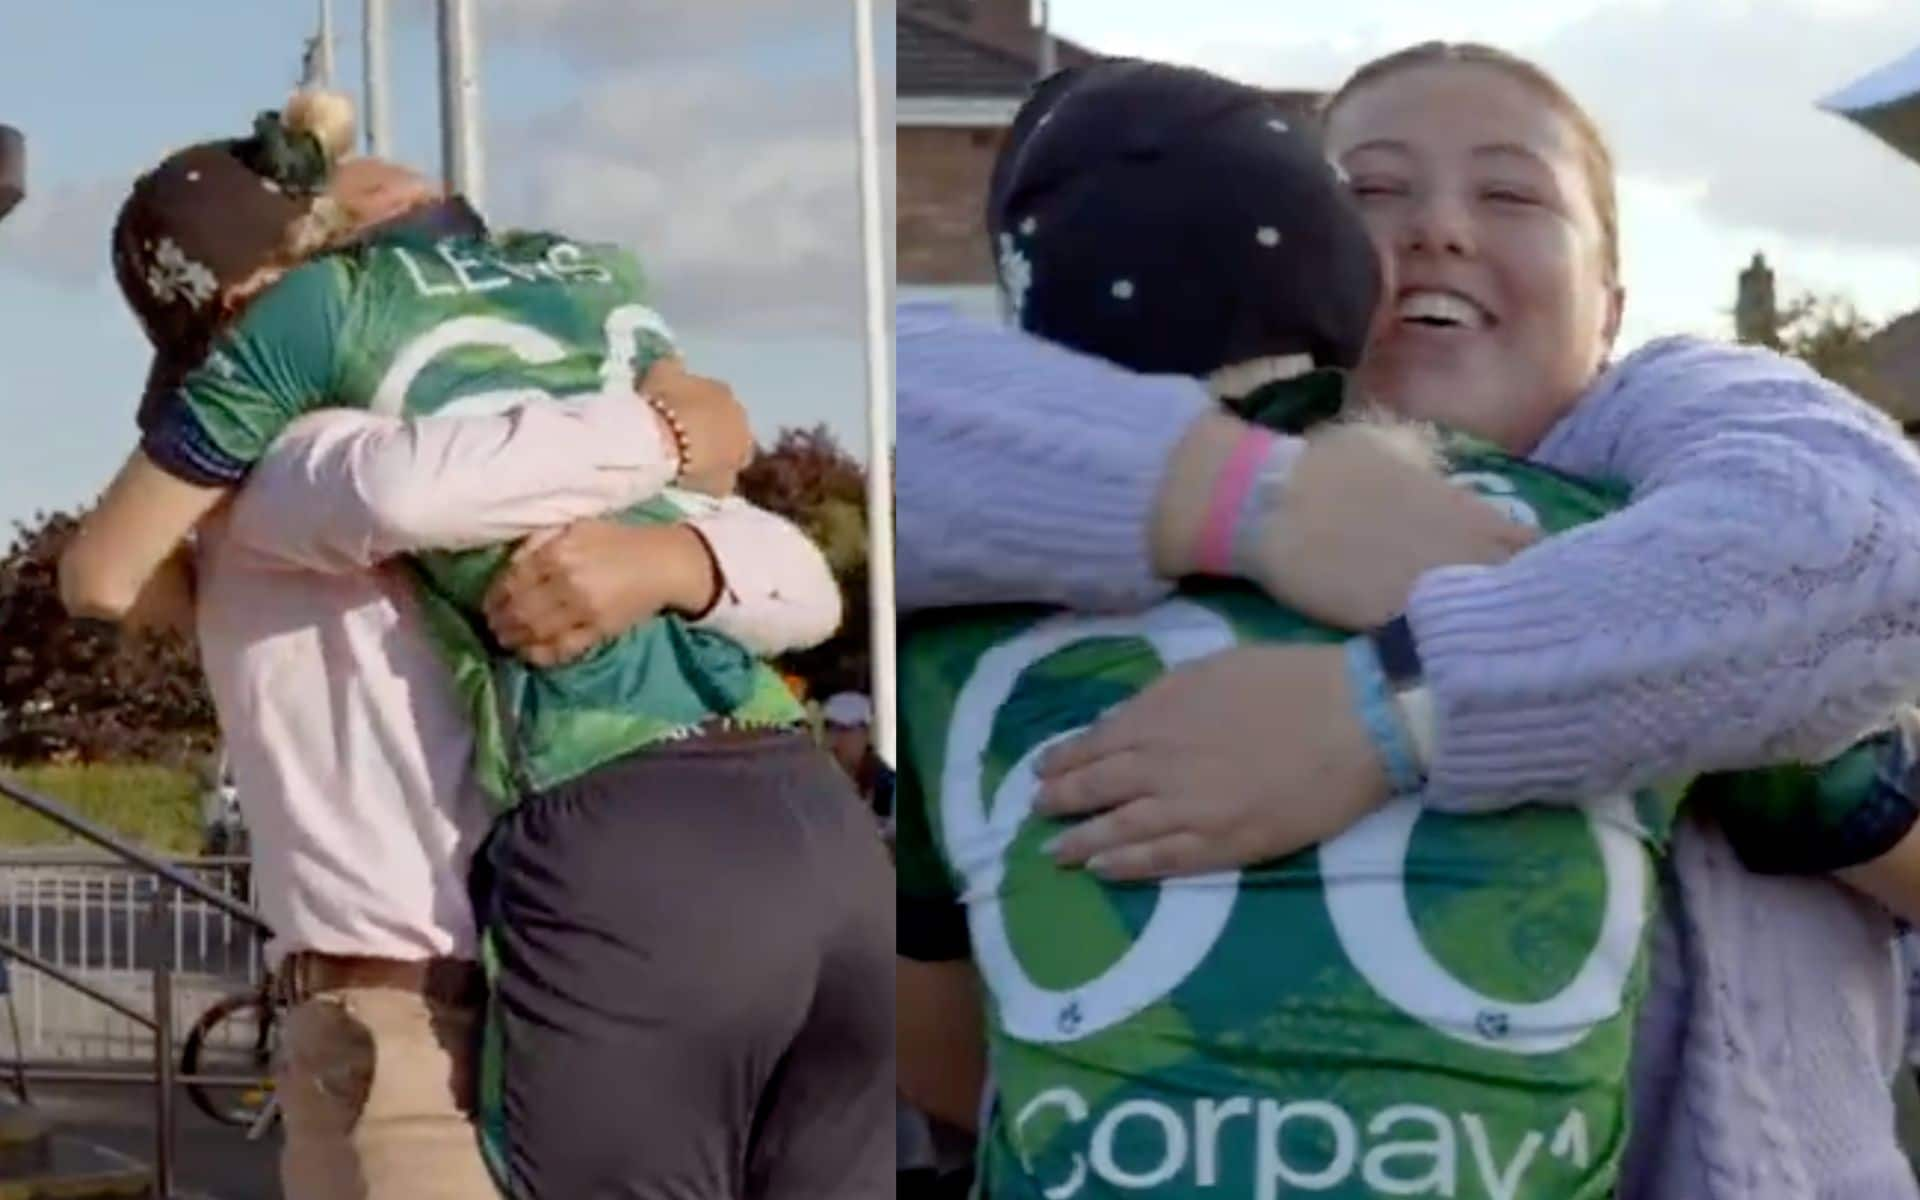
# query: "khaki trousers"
{"type": "Point", "coordinates": [375, 1088]}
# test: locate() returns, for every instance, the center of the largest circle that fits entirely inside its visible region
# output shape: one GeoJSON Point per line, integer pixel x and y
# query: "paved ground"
{"type": "Point", "coordinates": [213, 1161]}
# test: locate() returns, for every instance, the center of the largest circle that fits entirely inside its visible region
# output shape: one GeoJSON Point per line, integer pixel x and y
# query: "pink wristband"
{"type": "Point", "coordinates": [1230, 489]}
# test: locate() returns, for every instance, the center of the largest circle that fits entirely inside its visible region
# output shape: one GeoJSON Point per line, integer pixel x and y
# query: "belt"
{"type": "Point", "coordinates": [307, 973]}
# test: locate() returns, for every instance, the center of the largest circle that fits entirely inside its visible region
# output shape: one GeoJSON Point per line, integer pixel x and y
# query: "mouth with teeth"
{"type": "Point", "coordinates": [1431, 308]}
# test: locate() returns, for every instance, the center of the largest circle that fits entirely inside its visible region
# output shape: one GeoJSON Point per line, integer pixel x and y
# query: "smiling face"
{"type": "Point", "coordinates": [1501, 301]}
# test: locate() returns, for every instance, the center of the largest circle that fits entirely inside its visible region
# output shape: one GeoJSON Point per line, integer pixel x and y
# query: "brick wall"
{"type": "Point", "coordinates": [942, 177]}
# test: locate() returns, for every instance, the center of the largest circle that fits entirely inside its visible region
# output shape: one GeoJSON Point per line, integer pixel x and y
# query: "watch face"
{"type": "Point", "coordinates": [13, 169]}
{"type": "Point", "coordinates": [1399, 655]}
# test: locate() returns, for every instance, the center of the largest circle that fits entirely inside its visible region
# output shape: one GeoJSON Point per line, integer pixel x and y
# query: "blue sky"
{"type": "Point", "coordinates": [715, 138]}
{"type": "Point", "coordinates": [1709, 106]}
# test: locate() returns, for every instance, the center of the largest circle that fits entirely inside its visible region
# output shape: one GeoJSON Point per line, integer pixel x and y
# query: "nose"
{"type": "Point", "coordinates": [1439, 223]}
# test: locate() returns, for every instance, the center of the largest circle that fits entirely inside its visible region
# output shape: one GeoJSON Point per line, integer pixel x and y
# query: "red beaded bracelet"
{"type": "Point", "coordinates": [682, 448]}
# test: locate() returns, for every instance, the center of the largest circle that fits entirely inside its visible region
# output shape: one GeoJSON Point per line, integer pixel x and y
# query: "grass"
{"type": "Point", "coordinates": [156, 807]}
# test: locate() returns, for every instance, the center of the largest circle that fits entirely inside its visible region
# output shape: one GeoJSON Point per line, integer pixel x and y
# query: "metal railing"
{"type": "Point", "coordinates": [167, 883]}
{"type": "Point", "coordinates": [86, 913]}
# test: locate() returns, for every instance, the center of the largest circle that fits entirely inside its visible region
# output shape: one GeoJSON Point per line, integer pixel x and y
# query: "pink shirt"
{"type": "Point", "coordinates": [351, 756]}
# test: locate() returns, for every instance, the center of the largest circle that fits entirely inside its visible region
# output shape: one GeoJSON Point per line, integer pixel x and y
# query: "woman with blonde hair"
{"type": "Point", "coordinates": [1753, 604]}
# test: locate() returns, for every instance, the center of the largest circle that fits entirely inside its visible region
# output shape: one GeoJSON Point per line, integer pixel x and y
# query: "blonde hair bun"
{"type": "Point", "coordinates": [328, 116]}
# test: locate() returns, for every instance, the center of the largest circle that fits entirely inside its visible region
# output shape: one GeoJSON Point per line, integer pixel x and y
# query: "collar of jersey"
{"type": "Point", "coordinates": [1295, 405]}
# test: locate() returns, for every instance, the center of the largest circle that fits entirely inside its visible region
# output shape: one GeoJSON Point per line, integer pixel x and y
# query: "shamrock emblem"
{"type": "Point", "coordinates": [1491, 1023]}
{"type": "Point", "coordinates": [173, 275]}
{"type": "Point", "coordinates": [1071, 1017]}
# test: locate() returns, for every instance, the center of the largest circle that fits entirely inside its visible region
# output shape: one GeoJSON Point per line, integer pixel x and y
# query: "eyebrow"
{"type": "Point", "coordinates": [1511, 150]}
{"type": "Point", "coordinates": [1392, 145]}
{"type": "Point", "coordinates": [1491, 149]}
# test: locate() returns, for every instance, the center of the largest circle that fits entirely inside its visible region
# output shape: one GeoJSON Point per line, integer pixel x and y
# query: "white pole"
{"type": "Point", "coordinates": [460, 102]}
{"type": "Point", "coordinates": [879, 392]}
{"type": "Point", "coordinates": [1049, 60]}
{"type": "Point", "coordinates": [323, 57]}
{"type": "Point", "coordinates": [373, 43]}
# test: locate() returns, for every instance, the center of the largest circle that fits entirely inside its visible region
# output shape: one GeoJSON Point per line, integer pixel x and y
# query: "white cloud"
{"type": "Point", "coordinates": [60, 234]}
{"type": "Point", "coordinates": [740, 196]}
{"type": "Point", "coordinates": [716, 139]}
{"type": "Point", "coordinates": [612, 32]}
{"type": "Point", "coordinates": [719, 141]}
{"type": "Point", "coordinates": [1723, 96]}
{"type": "Point", "coordinates": [1680, 262]}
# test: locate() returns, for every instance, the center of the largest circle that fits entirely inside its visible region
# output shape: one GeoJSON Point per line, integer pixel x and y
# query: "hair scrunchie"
{"type": "Point", "coordinates": [295, 160]}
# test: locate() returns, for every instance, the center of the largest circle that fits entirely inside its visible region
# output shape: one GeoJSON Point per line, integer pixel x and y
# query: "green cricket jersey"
{"type": "Point", "coordinates": [1427, 1005]}
{"type": "Point", "coordinates": [413, 323]}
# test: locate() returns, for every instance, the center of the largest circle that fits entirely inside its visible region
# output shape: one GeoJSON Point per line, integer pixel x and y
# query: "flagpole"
{"type": "Point", "coordinates": [373, 43]}
{"type": "Point", "coordinates": [879, 392]}
{"type": "Point", "coordinates": [460, 155]}
{"type": "Point", "coordinates": [323, 57]}
{"type": "Point", "coordinates": [1048, 58]}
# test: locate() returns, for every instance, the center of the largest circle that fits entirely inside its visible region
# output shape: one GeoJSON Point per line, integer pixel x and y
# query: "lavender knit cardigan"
{"type": "Point", "coordinates": [1759, 601]}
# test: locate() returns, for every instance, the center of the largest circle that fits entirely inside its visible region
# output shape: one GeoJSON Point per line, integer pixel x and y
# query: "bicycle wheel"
{"type": "Point", "coordinates": [246, 1056]}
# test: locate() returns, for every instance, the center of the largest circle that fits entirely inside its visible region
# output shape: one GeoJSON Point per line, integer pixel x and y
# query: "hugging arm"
{"type": "Point", "coordinates": [1754, 604]}
{"type": "Point", "coordinates": [130, 561]}
{"type": "Point", "coordinates": [128, 558]}
{"type": "Point", "coordinates": [1853, 816]}
{"type": "Point", "coordinates": [345, 491]}
{"type": "Point", "coordinates": [1027, 472]}
{"type": "Point", "coordinates": [1031, 473]}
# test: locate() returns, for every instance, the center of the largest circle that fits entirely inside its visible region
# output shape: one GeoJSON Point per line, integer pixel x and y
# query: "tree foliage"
{"type": "Point", "coordinates": [81, 690]}
{"type": "Point", "coordinates": [1830, 335]}
{"type": "Point", "coordinates": [809, 479]}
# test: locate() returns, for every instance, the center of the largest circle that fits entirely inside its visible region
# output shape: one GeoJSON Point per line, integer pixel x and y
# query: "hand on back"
{"type": "Point", "coordinates": [1363, 515]}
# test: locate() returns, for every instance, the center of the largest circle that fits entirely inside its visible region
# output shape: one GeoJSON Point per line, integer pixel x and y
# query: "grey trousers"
{"type": "Point", "coordinates": [696, 979]}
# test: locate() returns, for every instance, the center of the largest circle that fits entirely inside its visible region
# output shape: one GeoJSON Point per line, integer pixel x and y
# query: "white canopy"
{"type": "Point", "coordinates": [1886, 103]}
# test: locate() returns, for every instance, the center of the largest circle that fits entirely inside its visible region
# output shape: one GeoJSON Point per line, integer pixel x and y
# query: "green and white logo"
{"type": "Point", "coordinates": [1191, 912]}
{"type": "Point", "coordinates": [1362, 879]}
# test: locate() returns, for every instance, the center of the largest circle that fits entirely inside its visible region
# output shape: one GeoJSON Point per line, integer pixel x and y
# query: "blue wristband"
{"type": "Point", "coordinates": [1373, 704]}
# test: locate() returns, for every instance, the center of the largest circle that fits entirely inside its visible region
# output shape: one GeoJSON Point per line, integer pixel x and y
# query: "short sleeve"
{"type": "Point", "coordinates": [637, 330]}
{"type": "Point", "coordinates": [274, 366]}
{"type": "Point", "coordinates": [1800, 820]}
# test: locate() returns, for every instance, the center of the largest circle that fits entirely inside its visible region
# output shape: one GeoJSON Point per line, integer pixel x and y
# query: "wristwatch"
{"type": "Point", "coordinates": [1399, 654]}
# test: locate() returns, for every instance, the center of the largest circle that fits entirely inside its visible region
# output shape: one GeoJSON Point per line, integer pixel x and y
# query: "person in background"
{"type": "Point", "coordinates": [848, 717]}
